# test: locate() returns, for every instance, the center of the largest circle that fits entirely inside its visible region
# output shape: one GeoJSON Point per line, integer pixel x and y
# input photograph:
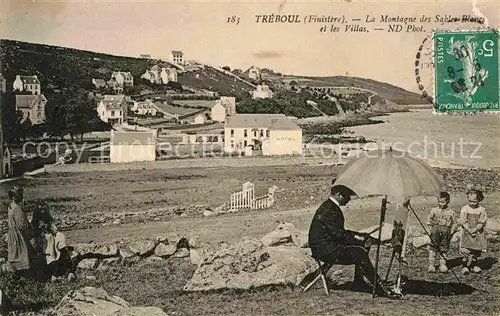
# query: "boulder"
{"type": "Point", "coordinates": [422, 241]}
{"type": "Point", "coordinates": [250, 264]}
{"type": "Point", "coordinates": [140, 311]}
{"type": "Point", "coordinates": [163, 250]}
{"type": "Point", "coordinates": [208, 213]}
{"type": "Point", "coordinates": [492, 226]}
{"type": "Point", "coordinates": [96, 250]}
{"type": "Point", "coordinates": [195, 257]}
{"type": "Point", "coordinates": [152, 259]}
{"type": "Point", "coordinates": [181, 253]}
{"type": "Point", "coordinates": [88, 264]}
{"type": "Point", "coordinates": [141, 247]}
{"type": "Point", "coordinates": [90, 301]}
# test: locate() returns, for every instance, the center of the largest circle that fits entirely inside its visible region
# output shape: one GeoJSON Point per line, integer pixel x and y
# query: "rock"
{"type": "Point", "coordinates": [249, 264]}
{"type": "Point", "coordinates": [300, 239]}
{"type": "Point", "coordinates": [208, 213]}
{"type": "Point", "coordinates": [281, 235]}
{"type": "Point", "coordinates": [162, 239]}
{"type": "Point", "coordinates": [422, 241]}
{"type": "Point", "coordinates": [88, 264]}
{"type": "Point", "coordinates": [181, 253]}
{"type": "Point", "coordinates": [126, 253]}
{"type": "Point", "coordinates": [140, 311]}
{"type": "Point", "coordinates": [163, 250]}
{"type": "Point", "coordinates": [492, 225]}
{"type": "Point", "coordinates": [152, 259]}
{"type": "Point", "coordinates": [195, 257]}
{"type": "Point", "coordinates": [142, 247]}
{"type": "Point", "coordinates": [90, 301]}
{"type": "Point", "coordinates": [111, 261]}
{"type": "Point", "coordinates": [193, 242]}
{"type": "Point", "coordinates": [96, 250]}
{"type": "Point", "coordinates": [117, 221]}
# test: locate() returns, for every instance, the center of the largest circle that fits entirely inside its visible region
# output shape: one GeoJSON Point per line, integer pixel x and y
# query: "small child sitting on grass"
{"type": "Point", "coordinates": [473, 237]}
{"type": "Point", "coordinates": [442, 225]}
{"type": "Point", "coordinates": [57, 254]}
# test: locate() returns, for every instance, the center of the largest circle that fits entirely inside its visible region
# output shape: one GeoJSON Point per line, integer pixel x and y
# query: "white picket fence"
{"type": "Point", "coordinates": [246, 199]}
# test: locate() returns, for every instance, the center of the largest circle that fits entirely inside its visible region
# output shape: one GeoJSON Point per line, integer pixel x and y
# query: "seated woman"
{"type": "Point", "coordinates": [57, 254]}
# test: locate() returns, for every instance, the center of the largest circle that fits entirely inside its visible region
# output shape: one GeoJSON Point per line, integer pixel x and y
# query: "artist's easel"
{"type": "Point", "coordinates": [399, 241]}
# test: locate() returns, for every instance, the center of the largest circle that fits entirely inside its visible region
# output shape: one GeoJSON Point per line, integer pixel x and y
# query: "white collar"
{"type": "Point", "coordinates": [335, 201]}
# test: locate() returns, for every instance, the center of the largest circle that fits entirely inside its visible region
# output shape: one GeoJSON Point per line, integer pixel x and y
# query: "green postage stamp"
{"type": "Point", "coordinates": [466, 71]}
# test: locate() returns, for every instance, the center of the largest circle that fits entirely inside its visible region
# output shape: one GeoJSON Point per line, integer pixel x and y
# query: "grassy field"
{"type": "Point", "coordinates": [195, 103]}
{"type": "Point", "coordinates": [160, 284]}
{"type": "Point", "coordinates": [175, 109]}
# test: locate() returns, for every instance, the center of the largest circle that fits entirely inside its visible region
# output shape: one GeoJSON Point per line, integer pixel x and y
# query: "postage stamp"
{"type": "Point", "coordinates": [466, 71]}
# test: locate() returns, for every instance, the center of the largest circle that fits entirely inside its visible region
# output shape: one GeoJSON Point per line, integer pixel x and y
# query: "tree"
{"type": "Point", "coordinates": [80, 113]}
{"type": "Point", "coordinates": [11, 119]}
{"type": "Point", "coordinates": [226, 68]}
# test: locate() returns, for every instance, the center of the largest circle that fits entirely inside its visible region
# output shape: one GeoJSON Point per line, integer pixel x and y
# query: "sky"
{"type": "Point", "coordinates": [201, 31]}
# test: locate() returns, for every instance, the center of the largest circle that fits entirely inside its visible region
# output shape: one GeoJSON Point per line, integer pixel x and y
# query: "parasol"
{"type": "Point", "coordinates": [389, 173]}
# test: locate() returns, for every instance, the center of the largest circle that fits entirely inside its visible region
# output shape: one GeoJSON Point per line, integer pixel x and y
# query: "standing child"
{"type": "Point", "coordinates": [473, 238]}
{"type": "Point", "coordinates": [442, 225]}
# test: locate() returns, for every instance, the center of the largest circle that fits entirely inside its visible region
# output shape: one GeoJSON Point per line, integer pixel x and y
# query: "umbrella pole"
{"type": "Point", "coordinates": [382, 218]}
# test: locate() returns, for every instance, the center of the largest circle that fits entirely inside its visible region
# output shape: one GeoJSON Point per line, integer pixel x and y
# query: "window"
{"type": "Point", "coordinates": [112, 113]}
{"type": "Point", "coordinates": [39, 115]}
{"type": "Point", "coordinates": [39, 108]}
{"type": "Point", "coordinates": [232, 133]}
{"type": "Point", "coordinates": [254, 133]}
{"type": "Point", "coordinates": [120, 112]}
{"type": "Point", "coordinates": [232, 144]}
{"type": "Point", "coordinates": [245, 133]}
{"type": "Point", "coordinates": [267, 133]}
{"type": "Point", "coordinates": [245, 143]}
{"type": "Point", "coordinates": [261, 133]}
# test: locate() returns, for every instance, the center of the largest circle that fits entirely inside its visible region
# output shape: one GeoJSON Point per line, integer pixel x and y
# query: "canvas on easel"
{"type": "Point", "coordinates": [399, 240]}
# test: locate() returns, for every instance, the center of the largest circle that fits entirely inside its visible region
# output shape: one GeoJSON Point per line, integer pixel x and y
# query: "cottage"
{"type": "Point", "coordinates": [6, 163]}
{"type": "Point", "coordinates": [112, 109]}
{"type": "Point", "coordinates": [27, 83]}
{"type": "Point", "coordinates": [32, 106]}
{"type": "Point", "coordinates": [99, 83]}
{"type": "Point", "coordinates": [144, 108]}
{"type": "Point", "coordinates": [177, 57]}
{"type": "Point", "coordinates": [3, 83]}
{"type": "Point", "coordinates": [273, 134]}
{"type": "Point", "coordinates": [199, 119]}
{"type": "Point", "coordinates": [222, 108]}
{"type": "Point", "coordinates": [262, 92]}
{"type": "Point", "coordinates": [132, 146]}
{"type": "Point", "coordinates": [123, 78]}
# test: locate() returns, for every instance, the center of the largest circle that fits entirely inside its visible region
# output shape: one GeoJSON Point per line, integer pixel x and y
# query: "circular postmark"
{"type": "Point", "coordinates": [456, 70]}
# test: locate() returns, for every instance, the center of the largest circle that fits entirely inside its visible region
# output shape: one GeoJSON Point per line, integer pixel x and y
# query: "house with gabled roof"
{"type": "Point", "coordinates": [32, 106]}
{"type": "Point", "coordinates": [222, 108]}
{"type": "Point", "coordinates": [27, 83]}
{"type": "Point", "coordinates": [112, 109]}
{"type": "Point", "coordinates": [123, 78]}
{"type": "Point", "coordinates": [270, 134]}
{"type": "Point", "coordinates": [262, 92]}
{"type": "Point", "coordinates": [125, 146]}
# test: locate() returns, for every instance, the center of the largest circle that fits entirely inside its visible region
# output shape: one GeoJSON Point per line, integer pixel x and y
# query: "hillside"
{"type": "Point", "coordinates": [61, 67]}
{"type": "Point", "coordinates": [392, 93]}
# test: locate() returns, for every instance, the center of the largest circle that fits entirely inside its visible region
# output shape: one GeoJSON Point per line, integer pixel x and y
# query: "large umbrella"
{"type": "Point", "coordinates": [389, 173]}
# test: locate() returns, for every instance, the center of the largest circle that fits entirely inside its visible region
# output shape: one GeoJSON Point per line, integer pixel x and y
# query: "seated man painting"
{"type": "Point", "coordinates": [332, 244]}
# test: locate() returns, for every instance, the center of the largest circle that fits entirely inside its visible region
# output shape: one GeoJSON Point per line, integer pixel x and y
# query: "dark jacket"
{"type": "Point", "coordinates": [327, 232]}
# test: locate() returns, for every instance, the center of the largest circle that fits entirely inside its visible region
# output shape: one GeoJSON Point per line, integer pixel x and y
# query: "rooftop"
{"type": "Point", "coordinates": [271, 121]}
{"type": "Point", "coordinates": [132, 138]}
{"type": "Point", "coordinates": [29, 79]}
{"type": "Point", "coordinates": [27, 101]}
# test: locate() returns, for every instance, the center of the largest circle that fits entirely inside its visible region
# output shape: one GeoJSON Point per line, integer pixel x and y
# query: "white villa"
{"type": "Point", "coordinates": [32, 106]}
{"type": "Point", "coordinates": [132, 146]}
{"type": "Point", "coordinates": [199, 119]}
{"type": "Point", "coordinates": [144, 108]}
{"type": "Point", "coordinates": [159, 75]}
{"type": "Point", "coordinates": [27, 83]}
{"type": "Point", "coordinates": [224, 107]}
{"type": "Point", "coordinates": [123, 78]}
{"type": "Point", "coordinates": [113, 109]}
{"type": "Point", "coordinates": [254, 73]}
{"type": "Point", "coordinates": [262, 92]}
{"type": "Point", "coordinates": [273, 134]}
{"type": "Point", "coordinates": [177, 57]}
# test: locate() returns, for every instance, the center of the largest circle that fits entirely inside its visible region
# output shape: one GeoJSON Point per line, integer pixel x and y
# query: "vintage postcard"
{"type": "Point", "coordinates": [275, 157]}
